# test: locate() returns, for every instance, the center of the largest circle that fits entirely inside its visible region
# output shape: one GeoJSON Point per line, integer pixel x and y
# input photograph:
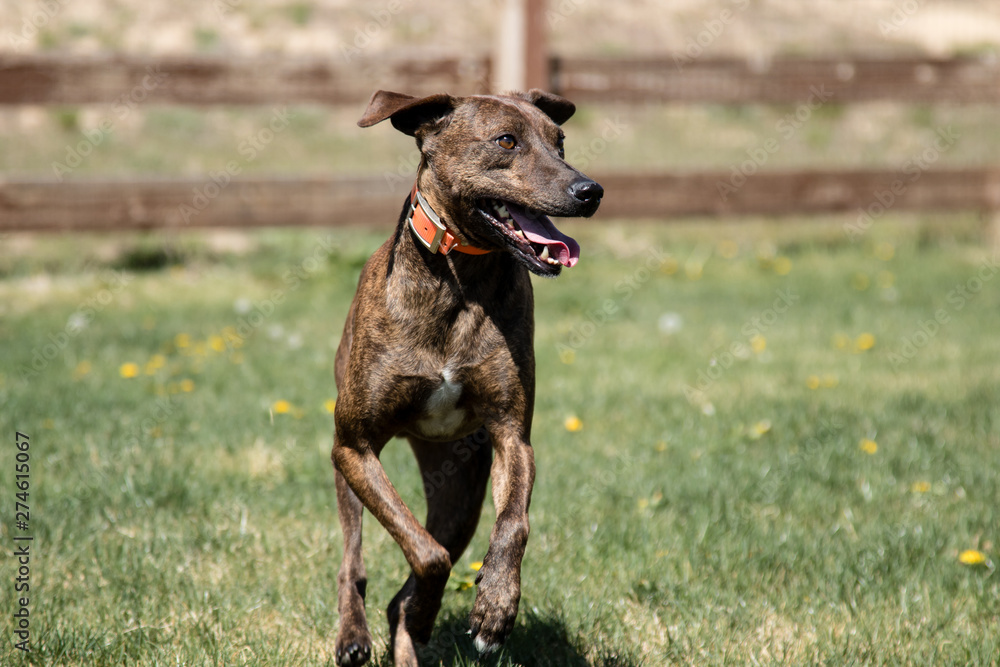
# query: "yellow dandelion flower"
{"type": "Point", "coordinates": [669, 266]}
{"type": "Point", "coordinates": [868, 446]}
{"type": "Point", "coordinates": [661, 446]}
{"type": "Point", "coordinates": [758, 344]}
{"type": "Point", "coordinates": [217, 343]}
{"type": "Point", "coordinates": [83, 368]}
{"type": "Point", "coordinates": [330, 405]}
{"type": "Point", "coordinates": [812, 382]}
{"type": "Point", "coordinates": [573, 424]}
{"type": "Point", "coordinates": [885, 251]}
{"type": "Point", "coordinates": [864, 342]}
{"type": "Point", "coordinates": [465, 585]}
{"type": "Point", "coordinates": [128, 370]}
{"type": "Point", "coordinates": [282, 407]}
{"type": "Point", "coordinates": [728, 249]}
{"type": "Point", "coordinates": [759, 429]}
{"type": "Point", "coordinates": [155, 363]}
{"type": "Point", "coordinates": [920, 487]}
{"type": "Point", "coordinates": [782, 266]}
{"type": "Point", "coordinates": [643, 503]}
{"type": "Point", "coordinates": [187, 385]}
{"type": "Point", "coordinates": [182, 340]}
{"type": "Point", "coordinates": [972, 557]}
{"type": "Point", "coordinates": [477, 565]}
{"type": "Point", "coordinates": [567, 355]}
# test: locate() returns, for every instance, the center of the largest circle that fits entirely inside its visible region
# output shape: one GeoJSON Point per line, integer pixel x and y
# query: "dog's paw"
{"type": "Point", "coordinates": [493, 613]}
{"type": "Point", "coordinates": [483, 647]}
{"type": "Point", "coordinates": [354, 655]}
{"type": "Point", "coordinates": [355, 650]}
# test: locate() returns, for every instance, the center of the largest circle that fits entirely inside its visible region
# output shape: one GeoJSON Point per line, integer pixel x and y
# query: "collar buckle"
{"type": "Point", "coordinates": [431, 221]}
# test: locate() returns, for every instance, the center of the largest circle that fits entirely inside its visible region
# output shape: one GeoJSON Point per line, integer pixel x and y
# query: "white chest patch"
{"type": "Point", "coordinates": [442, 417]}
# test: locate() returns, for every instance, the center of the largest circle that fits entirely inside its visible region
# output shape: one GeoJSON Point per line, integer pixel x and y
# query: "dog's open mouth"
{"type": "Point", "coordinates": [532, 233]}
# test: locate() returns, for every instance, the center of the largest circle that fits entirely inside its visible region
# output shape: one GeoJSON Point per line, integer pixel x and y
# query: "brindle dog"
{"type": "Point", "coordinates": [438, 344]}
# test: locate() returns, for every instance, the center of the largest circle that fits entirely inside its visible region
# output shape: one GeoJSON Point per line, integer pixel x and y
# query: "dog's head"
{"type": "Point", "coordinates": [499, 166]}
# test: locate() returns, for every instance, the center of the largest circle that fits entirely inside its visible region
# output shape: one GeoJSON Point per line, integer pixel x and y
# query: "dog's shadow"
{"type": "Point", "coordinates": [537, 641]}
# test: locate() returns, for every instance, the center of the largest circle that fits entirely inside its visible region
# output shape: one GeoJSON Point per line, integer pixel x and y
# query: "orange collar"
{"type": "Point", "coordinates": [431, 230]}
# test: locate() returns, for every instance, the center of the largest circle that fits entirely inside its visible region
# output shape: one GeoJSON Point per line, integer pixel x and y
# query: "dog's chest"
{"type": "Point", "coordinates": [441, 415]}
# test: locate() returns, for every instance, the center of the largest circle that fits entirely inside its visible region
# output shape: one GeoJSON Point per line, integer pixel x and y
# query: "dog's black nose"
{"type": "Point", "coordinates": [586, 191]}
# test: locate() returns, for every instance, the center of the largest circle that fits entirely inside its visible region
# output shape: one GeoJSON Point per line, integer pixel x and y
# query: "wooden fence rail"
{"type": "Point", "coordinates": [201, 80]}
{"type": "Point", "coordinates": [332, 201]}
{"type": "Point", "coordinates": [782, 80]}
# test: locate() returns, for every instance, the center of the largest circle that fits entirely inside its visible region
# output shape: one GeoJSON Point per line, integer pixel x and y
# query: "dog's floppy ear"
{"type": "Point", "coordinates": [407, 113]}
{"type": "Point", "coordinates": [559, 109]}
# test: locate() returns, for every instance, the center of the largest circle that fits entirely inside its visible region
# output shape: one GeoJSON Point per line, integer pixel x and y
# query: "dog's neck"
{"type": "Point", "coordinates": [447, 280]}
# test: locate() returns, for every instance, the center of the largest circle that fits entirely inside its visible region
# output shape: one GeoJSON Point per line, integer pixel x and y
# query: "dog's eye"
{"type": "Point", "coordinates": [559, 145]}
{"type": "Point", "coordinates": [507, 142]}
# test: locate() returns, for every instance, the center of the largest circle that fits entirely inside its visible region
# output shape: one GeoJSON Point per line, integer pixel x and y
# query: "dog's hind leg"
{"type": "Point", "coordinates": [354, 642]}
{"type": "Point", "coordinates": [455, 477]}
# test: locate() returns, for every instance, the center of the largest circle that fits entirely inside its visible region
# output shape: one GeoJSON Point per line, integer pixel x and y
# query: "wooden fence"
{"type": "Point", "coordinates": [202, 80]}
{"type": "Point", "coordinates": [78, 205]}
{"type": "Point", "coordinates": [247, 202]}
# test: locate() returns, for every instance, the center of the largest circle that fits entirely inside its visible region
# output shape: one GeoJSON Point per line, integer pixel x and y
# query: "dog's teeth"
{"type": "Point", "coordinates": [544, 254]}
{"type": "Point", "coordinates": [520, 235]}
{"type": "Point", "coordinates": [502, 210]}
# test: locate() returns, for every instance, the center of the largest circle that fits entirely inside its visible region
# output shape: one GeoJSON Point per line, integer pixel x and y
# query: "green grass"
{"type": "Point", "coordinates": [145, 139]}
{"type": "Point", "coordinates": [178, 519]}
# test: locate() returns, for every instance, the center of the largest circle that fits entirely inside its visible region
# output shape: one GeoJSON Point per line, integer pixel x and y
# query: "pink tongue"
{"type": "Point", "coordinates": [539, 229]}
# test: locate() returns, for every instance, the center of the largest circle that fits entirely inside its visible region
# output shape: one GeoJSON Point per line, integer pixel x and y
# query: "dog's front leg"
{"type": "Point", "coordinates": [499, 579]}
{"type": "Point", "coordinates": [357, 461]}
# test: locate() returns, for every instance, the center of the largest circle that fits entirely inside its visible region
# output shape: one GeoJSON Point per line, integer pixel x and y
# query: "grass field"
{"type": "Point", "coordinates": [160, 141]}
{"type": "Point", "coordinates": [756, 444]}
